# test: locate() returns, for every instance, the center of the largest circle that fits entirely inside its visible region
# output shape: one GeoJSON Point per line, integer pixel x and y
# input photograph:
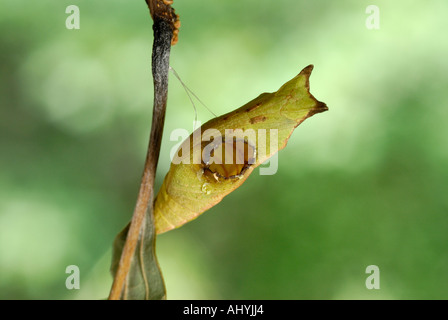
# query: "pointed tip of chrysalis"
{"type": "Point", "coordinates": [307, 69]}
{"type": "Point", "coordinates": [320, 106]}
{"type": "Point", "coordinates": [306, 72]}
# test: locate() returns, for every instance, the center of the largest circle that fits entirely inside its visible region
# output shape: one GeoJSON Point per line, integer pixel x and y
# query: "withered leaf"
{"type": "Point", "coordinates": [144, 280]}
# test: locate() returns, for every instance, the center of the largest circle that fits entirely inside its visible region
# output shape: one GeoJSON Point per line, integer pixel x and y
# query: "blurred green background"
{"type": "Point", "coordinates": [362, 184]}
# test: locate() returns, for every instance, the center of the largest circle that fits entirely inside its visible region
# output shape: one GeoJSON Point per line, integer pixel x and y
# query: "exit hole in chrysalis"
{"type": "Point", "coordinates": [227, 158]}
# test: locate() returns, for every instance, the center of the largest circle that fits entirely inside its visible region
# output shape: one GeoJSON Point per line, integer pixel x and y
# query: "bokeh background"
{"type": "Point", "coordinates": [362, 184]}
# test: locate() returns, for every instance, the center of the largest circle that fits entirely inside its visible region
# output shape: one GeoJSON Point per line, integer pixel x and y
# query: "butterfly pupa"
{"type": "Point", "coordinates": [191, 187]}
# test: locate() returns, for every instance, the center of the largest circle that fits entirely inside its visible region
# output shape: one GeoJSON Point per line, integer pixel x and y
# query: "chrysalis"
{"type": "Point", "coordinates": [243, 137]}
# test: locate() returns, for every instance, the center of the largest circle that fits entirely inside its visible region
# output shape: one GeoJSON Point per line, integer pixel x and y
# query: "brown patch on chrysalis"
{"type": "Point", "coordinates": [257, 119]}
{"type": "Point", "coordinates": [255, 106]}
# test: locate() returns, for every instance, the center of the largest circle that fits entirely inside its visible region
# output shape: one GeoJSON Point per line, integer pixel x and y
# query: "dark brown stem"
{"type": "Point", "coordinates": [163, 34]}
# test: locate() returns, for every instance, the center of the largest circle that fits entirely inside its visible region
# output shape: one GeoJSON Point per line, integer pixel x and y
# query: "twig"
{"type": "Point", "coordinates": [165, 23]}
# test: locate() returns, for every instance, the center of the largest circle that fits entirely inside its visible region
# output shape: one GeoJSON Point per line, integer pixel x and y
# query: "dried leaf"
{"type": "Point", "coordinates": [144, 280]}
{"type": "Point", "coordinates": [195, 184]}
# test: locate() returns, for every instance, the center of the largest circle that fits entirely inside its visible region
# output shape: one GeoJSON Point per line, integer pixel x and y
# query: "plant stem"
{"type": "Point", "coordinates": [163, 33]}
